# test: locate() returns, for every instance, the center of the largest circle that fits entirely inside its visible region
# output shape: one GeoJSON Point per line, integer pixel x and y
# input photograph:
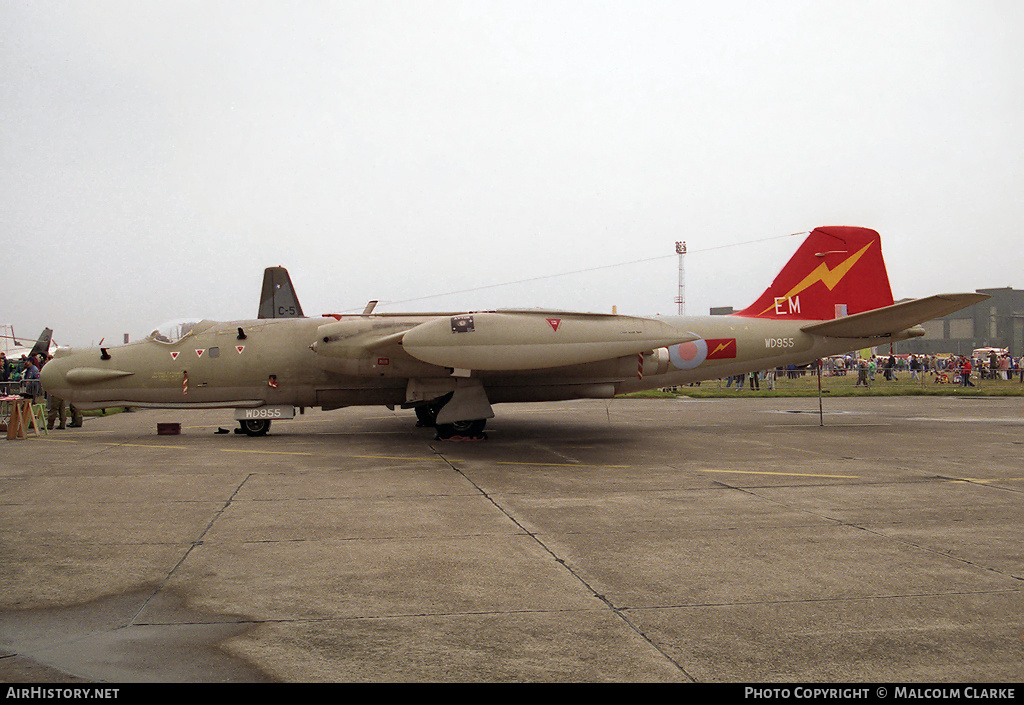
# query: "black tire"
{"type": "Point", "coordinates": [255, 427]}
{"type": "Point", "coordinates": [426, 416]}
{"type": "Point", "coordinates": [464, 429]}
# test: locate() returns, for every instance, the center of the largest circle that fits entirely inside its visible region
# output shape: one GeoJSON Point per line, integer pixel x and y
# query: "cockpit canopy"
{"type": "Point", "coordinates": [173, 331]}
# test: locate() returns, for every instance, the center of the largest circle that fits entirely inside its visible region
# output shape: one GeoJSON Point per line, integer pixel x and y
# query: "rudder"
{"type": "Point", "coordinates": [837, 271]}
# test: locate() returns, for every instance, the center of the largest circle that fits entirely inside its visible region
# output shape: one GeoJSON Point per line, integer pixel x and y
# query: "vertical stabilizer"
{"type": "Point", "coordinates": [838, 271]}
{"type": "Point", "coordinates": [278, 299]}
{"type": "Point", "coordinates": [42, 346]}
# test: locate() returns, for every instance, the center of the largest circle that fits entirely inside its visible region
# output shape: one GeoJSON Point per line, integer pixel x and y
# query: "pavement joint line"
{"type": "Point", "coordinates": [883, 535]}
{"type": "Point", "coordinates": [604, 599]}
{"type": "Point", "coordinates": [367, 617]}
{"type": "Point", "coordinates": [817, 600]}
{"type": "Point", "coordinates": [198, 541]}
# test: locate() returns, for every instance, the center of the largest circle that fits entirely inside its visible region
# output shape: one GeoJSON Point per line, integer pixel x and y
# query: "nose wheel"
{"type": "Point", "coordinates": [254, 427]}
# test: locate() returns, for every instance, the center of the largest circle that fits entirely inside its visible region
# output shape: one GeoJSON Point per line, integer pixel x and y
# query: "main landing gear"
{"type": "Point", "coordinates": [471, 430]}
{"type": "Point", "coordinates": [462, 431]}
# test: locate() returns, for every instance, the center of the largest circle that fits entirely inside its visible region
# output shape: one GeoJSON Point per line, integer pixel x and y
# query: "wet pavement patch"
{"type": "Point", "coordinates": [107, 640]}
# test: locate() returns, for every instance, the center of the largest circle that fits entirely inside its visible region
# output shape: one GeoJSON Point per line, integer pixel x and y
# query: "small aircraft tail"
{"type": "Point", "coordinates": [42, 346]}
{"type": "Point", "coordinates": [278, 299]}
{"type": "Point", "coordinates": [838, 271]}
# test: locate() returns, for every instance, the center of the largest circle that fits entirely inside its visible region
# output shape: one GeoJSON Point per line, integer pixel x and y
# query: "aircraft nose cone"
{"type": "Point", "coordinates": [54, 378]}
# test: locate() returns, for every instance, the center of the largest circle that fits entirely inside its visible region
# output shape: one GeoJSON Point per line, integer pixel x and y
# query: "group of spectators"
{"type": "Point", "coordinates": [25, 372]}
{"type": "Point", "coordinates": [954, 369]}
{"type": "Point", "coordinates": [24, 369]}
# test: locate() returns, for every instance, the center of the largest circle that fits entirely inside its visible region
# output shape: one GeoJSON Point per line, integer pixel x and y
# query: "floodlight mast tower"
{"type": "Point", "coordinates": [681, 299]}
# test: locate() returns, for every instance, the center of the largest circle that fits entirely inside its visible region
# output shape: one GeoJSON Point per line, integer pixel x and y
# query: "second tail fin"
{"type": "Point", "coordinates": [278, 298]}
{"type": "Point", "coordinates": [837, 271]}
{"type": "Point", "coordinates": [42, 346]}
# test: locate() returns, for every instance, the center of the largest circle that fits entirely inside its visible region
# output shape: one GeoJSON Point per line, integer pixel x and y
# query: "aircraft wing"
{"type": "Point", "coordinates": [527, 340]}
{"type": "Point", "coordinates": [892, 319]}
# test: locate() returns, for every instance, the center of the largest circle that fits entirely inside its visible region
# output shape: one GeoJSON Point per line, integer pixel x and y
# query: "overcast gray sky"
{"type": "Point", "coordinates": [156, 156]}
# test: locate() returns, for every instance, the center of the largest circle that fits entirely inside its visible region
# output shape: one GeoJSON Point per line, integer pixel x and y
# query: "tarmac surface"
{"type": "Point", "coordinates": [726, 540]}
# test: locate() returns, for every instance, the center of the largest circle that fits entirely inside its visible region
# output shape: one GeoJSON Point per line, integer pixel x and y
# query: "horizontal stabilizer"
{"type": "Point", "coordinates": [893, 319]}
{"type": "Point", "coordinates": [529, 340]}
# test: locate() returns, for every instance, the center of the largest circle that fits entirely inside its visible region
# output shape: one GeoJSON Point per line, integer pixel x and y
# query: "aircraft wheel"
{"type": "Point", "coordinates": [462, 430]}
{"type": "Point", "coordinates": [426, 415]}
{"type": "Point", "coordinates": [255, 427]}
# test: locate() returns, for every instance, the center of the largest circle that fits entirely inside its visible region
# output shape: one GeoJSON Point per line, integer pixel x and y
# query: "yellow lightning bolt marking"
{"type": "Point", "coordinates": [828, 277]}
{"type": "Point", "coordinates": [721, 346]}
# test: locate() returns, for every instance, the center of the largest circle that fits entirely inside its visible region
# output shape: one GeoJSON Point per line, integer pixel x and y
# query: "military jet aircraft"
{"type": "Point", "coordinates": [831, 297]}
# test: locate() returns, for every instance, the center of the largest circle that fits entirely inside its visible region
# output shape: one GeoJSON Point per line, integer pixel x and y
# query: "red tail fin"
{"type": "Point", "coordinates": [838, 271]}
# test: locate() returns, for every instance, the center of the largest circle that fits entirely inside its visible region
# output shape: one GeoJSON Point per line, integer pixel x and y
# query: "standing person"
{"type": "Point", "coordinates": [862, 373]}
{"type": "Point", "coordinates": [31, 378]}
{"type": "Point", "coordinates": [58, 410]}
{"type": "Point", "coordinates": [965, 372]}
{"type": "Point", "coordinates": [755, 382]}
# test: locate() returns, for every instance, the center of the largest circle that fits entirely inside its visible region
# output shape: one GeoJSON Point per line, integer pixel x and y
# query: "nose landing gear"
{"type": "Point", "coordinates": [253, 427]}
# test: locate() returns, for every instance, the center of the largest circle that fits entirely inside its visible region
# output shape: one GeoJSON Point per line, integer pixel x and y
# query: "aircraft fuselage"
{"type": "Point", "coordinates": [252, 363]}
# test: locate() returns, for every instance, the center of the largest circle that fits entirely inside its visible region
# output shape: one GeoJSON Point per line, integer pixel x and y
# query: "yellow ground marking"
{"type": "Point", "coordinates": [394, 457]}
{"type": "Point", "coordinates": [267, 452]}
{"type": "Point", "coordinates": [143, 445]}
{"type": "Point", "coordinates": [566, 465]}
{"type": "Point", "coordinates": [784, 474]}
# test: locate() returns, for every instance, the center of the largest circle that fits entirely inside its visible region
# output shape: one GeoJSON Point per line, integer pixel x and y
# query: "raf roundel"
{"type": "Point", "coordinates": [687, 356]}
